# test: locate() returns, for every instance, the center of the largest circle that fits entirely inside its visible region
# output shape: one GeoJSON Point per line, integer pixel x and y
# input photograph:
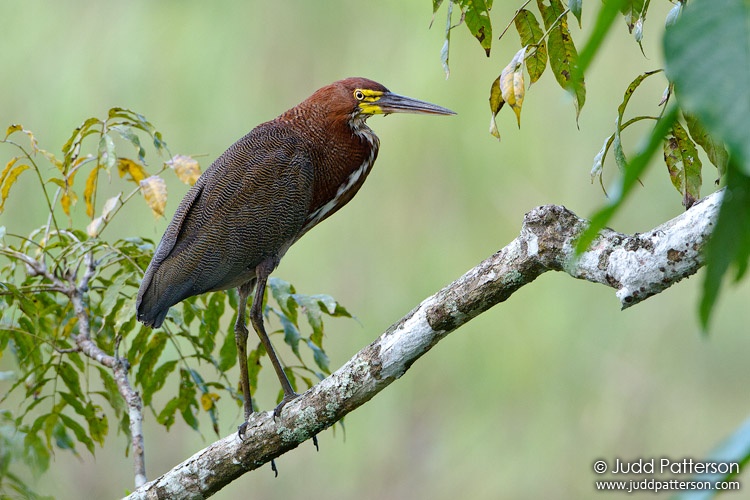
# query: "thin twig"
{"type": "Point", "coordinates": [513, 19]}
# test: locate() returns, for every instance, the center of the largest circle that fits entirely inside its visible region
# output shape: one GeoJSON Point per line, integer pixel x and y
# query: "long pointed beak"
{"type": "Point", "coordinates": [394, 103]}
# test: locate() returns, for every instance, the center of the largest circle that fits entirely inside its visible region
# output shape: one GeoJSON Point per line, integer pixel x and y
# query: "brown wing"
{"type": "Point", "coordinates": [249, 205]}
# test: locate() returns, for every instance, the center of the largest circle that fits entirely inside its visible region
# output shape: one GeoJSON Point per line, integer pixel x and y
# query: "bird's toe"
{"type": "Point", "coordinates": [288, 398]}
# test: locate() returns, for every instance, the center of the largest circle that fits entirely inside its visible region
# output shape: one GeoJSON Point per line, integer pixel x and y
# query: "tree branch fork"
{"type": "Point", "coordinates": [637, 266]}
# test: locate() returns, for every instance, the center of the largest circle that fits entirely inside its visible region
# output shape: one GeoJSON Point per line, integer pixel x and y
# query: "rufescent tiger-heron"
{"type": "Point", "coordinates": [259, 197]}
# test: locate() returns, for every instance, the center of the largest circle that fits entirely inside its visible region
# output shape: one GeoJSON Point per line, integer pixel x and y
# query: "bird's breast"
{"type": "Point", "coordinates": [340, 174]}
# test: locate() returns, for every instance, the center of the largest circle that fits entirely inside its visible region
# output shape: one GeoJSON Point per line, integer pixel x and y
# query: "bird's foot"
{"type": "Point", "coordinates": [241, 430]}
{"type": "Point", "coordinates": [288, 398]}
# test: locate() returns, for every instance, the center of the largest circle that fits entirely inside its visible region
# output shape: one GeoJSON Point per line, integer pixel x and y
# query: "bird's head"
{"type": "Point", "coordinates": [360, 98]}
{"type": "Point", "coordinates": [371, 98]}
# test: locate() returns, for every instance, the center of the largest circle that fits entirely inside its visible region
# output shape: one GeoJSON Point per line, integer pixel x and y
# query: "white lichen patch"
{"type": "Point", "coordinates": [413, 337]}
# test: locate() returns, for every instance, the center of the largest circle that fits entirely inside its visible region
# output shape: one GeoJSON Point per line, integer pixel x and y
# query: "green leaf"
{"type": "Point", "coordinates": [311, 307]}
{"type": "Point", "coordinates": [445, 50]}
{"type": "Point", "coordinates": [291, 334]}
{"type": "Point", "coordinates": [496, 104]}
{"type": "Point", "coordinates": [681, 157]}
{"type": "Point", "coordinates": [111, 393]}
{"type": "Point", "coordinates": [127, 133]}
{"type": "Point", "coordinates": [210, 325]}
{"type": "Point", "coordinates": [145, 374]}
{"type": "Point", "coordinates": [69, 375]}
{"type": "Point", "coordinates": [228, 352]}
{"type": "Point", "coordinates": [72, 147]}
{"type": "Point", "coordinates": [133, 119]}
{"type": "Point", "coordinates": [715, 150]}
{"type": "Point", "coordinates": [563, 56]}
{"type": "Point", "coordinates": [160, 375]}
{"type": "Point", "coordinates": [629, 93]}
{"type": "Point", "coordinates": [74, 402]}
{"type": "Point", "coordinates": [188, 402]}
{"type": "Point", "coordinates": [188, 311]}
{"type": "Point", "coordinates": [620, 157]}
{"type": "Point", "coordinates": [576, 7]}
{"type": "Point", "coordinates": [79, 431]}
{"type": "Point", "coordinates": [320, 357]}
{"type": "Point", "coordinates": [107, 157]}
{"type": "Point", "coordinates": [330, 306]}
{"type": "Point", "coordinates": [531, 34]}
{"type": "Point", "coordinates": [97, 422]}
{"type": "Point", "coordinates": [36, 454]}
{"type": "Point", "coordinates": [601, 156]}
{"type": "Point", "coordinates": [166, 415]}
{"type": "Point", "coordinates": [111, 294]}
{"type": "Point", "coordinates": [634, 170]}
{"type": "Point", "coordinates": [730, 240]}
{"type": "Point", "coordinates": [477, 17]}
{"type": "Point", "coordinates": [62, 439]}
{"type": "Point", "coordinates": [707, 54]}
{"type": "Point", "coordinates": [254, 366]}
{"type": "Point", "coordinates": [125, 317]}
{"type": "Point", "coordinates": [138, 345]}
{"type": "Point", "coordinates": [283, 293]}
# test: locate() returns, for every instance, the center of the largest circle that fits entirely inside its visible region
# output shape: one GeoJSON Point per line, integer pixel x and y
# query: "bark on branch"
{"type": "Point", "coordinates": [637, 266]}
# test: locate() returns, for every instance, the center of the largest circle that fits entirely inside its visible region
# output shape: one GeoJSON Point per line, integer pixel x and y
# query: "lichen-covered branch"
{"type": "Point", "coordinates": [637, 266]}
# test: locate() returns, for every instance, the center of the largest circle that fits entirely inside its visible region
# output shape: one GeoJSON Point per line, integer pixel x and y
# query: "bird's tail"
{"type": "Point", "coordinates": [153, 303]}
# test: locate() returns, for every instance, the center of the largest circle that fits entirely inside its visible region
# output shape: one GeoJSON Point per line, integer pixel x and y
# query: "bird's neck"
{"type": "Point", "coordinates": [342, 151]}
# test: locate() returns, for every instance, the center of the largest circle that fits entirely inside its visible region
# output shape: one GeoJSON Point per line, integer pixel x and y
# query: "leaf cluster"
{"type": "Point", "coordinates": [64, 284]}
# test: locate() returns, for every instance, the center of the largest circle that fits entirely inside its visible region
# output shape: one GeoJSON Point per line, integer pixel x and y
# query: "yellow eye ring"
{"type": "Point", "coordinates": [359, 95]}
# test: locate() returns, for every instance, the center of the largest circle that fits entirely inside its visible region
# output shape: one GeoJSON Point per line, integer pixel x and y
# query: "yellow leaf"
{"type": "Point", "coordinates": [68, 198]}
{"type": "Point", "coordinates": [154, 190]}
{"type": "Point", "coordinates": [512, 84]}
{"type": "Point", "coordinates": [496, 104]}
{"type": "Point", "coordinates": [11, 129]}
{"type": "Point", "coordinates": [127, 166]}
{"type": "Point", "coordinates": [17, 128]}
{"type": "Point", "coordinates": [7, 168]}
{"type": "Point", "coordinates": [88, 192]}
{"type": "Point", "coordinates": [186, 168]}
{"type": "Point", "coordinates": [208, 399]}
{"type": "Point", "coordinates": [65, 203]}
{"type": "Point", "coordinates": [8, 178]}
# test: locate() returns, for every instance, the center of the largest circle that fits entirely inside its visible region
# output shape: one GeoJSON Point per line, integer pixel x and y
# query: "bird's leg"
{"type": "Point", "coordinates": [256, 318]}
{"type": "Point", "coordinates": [240, 337]}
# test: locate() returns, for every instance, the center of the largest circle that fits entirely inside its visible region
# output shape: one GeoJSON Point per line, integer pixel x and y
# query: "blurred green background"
{"type": "Point", "coordinates": [519, 403]}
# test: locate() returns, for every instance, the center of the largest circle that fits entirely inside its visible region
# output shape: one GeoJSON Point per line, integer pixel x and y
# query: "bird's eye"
{"type": "Point", "coordinates": [359, 95]}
